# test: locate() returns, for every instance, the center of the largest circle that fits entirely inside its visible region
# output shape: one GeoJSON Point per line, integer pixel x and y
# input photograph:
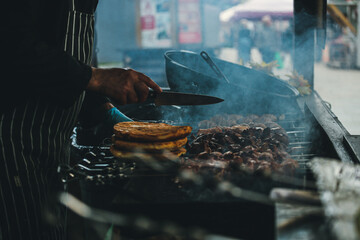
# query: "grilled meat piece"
{"type": "Point", "coordinates": [239, 128]}
{"type": "Point", "coordinates": [203, 155]}
{"type": "Point", "coordinates": [284, 139]}
{"type": "Point", "coordinates": [209, 131]}
{"type": "Point", "coordinates": [264, 167]}
{"type": "Point", "coordinates": [216, 155]}
{"type": "Point", "coordinates": [229, 120]}
{"type": "Point", "coordinates": [255, 143]}
{"type": "Point", "coordinates": [195, 147]}
{"type": "Point", "coordinates": [237, 159]}
{"type": "Point", "coordinates": [289, 166]}
{"type": "Point", "coordinates": [267, 156]}
{"type": "Point", "coordinates": [266, 133]}
{"type": "Point", "coordinates": [228, 155]}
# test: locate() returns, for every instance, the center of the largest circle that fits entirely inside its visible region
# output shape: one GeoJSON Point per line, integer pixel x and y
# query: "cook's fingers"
{"type": "Point", "coordinates": [121, 99]}
{"type": "Point", "coordinates": [149, 82]}
{"type": "Point", "coordinates": [142, 91]}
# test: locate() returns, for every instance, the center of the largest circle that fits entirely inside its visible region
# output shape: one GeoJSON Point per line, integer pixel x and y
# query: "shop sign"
{"type": "Point", "coordinates": [189, 20]}
{"type": "Point", "coordinates": [155, 18]}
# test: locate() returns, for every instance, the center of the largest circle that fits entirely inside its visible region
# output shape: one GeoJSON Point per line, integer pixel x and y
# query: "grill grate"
{"type": "Point", "coordinates": [95, 160]}
{"type": "Point", "coordinates": [300, 148]}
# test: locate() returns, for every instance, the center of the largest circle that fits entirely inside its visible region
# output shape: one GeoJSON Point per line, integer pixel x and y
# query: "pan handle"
{"type": "Point", "coordinates": [213, 66]}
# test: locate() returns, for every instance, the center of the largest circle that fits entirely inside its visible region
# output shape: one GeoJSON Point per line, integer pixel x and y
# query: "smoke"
{"type": "Point", "coordinates": [249, 91]}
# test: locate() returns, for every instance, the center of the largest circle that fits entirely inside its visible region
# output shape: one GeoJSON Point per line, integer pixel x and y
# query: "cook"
{"type": "Point", "coordinates": [47, 78]}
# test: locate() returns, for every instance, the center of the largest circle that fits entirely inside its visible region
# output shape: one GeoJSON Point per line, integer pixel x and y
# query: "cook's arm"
{"type": "Point", "coordinates": [38, 68]}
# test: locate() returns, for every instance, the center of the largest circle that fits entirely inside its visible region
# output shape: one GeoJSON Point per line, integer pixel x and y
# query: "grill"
{"type": "Point", "coordinates": [135, 189]}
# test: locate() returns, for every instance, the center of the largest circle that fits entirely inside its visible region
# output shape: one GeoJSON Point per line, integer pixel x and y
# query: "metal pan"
{"type": "Point", "coordinates": [247, 88]}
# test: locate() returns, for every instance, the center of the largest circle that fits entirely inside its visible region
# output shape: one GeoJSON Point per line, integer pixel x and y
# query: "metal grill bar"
{"type": "Point", "coordinates": [299, 147]}
{"type": "Point", "coordinates": [299, 143]}
{"type": "Point", "coordinates": [303, 157]}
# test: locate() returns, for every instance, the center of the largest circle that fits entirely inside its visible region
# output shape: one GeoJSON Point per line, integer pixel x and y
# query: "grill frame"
{"type": "Point", "coordinates": [178, 211]}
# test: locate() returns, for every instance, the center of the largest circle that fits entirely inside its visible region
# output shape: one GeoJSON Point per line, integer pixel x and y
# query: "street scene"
{"type": "Point", "coordinates": [243, 34]}
{"type": "Point", "coordinates": [180, 120]}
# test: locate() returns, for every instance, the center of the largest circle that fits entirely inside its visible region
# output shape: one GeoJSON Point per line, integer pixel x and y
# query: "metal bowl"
{"type": "Point", "coordinates": [187, 71]}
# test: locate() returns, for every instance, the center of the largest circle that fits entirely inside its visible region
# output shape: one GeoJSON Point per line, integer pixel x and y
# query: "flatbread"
{"type": "Point", "coordinates": [150, 132]}
{"type": "Point", "coordinates": [149, 146]}
{"type": "Point", "coordinates": [119, 153]}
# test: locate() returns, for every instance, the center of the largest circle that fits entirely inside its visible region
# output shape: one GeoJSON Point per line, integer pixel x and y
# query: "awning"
{"type": "Point", "coordinates": [256, 9]}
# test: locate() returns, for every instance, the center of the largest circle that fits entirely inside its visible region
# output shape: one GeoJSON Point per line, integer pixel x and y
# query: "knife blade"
{"type": "Point", "coordinates": [179, 98]}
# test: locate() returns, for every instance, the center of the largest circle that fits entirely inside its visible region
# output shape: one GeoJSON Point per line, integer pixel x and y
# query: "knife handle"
{"type": "Point", "coordinates": [152, 94]}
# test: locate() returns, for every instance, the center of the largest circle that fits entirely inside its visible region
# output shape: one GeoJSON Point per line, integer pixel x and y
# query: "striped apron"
{"type": "Point", "coordinates": [34, 140]}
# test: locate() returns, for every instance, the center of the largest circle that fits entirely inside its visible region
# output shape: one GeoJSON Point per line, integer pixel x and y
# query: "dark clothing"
{"type": "Point", "coordinates": [34, 141]}
{"type": "Point", "coordinates": [51, 70]}
{"type": "Point", "coordinates": [35, 61]}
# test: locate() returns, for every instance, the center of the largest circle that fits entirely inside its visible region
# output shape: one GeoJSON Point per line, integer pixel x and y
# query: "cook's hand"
{"type": "Point", "coordinates": [124, 86]}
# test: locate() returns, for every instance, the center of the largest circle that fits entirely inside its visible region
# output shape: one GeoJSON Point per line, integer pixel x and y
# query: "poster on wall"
{"type": "Point", "coordinates": [155, 21]}
{"type": "Point", "coordinates": [189, 19]}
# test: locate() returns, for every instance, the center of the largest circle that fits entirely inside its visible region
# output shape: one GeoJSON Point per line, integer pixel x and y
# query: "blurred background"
{"type": "Point", "coordinates": [255, 33]}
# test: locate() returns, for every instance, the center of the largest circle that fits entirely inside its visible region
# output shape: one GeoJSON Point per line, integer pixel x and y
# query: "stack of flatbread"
{"type": "Point", "coordinates": [144, 140]}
